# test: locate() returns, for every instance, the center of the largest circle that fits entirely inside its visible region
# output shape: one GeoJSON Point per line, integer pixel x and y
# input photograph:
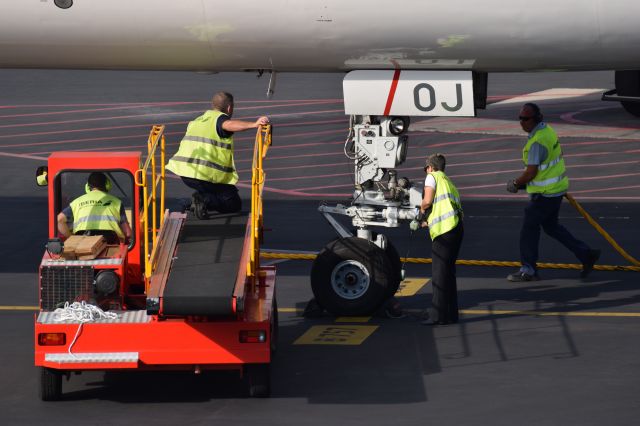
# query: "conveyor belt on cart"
{"type": "Point", "coordinates": [203, 276]}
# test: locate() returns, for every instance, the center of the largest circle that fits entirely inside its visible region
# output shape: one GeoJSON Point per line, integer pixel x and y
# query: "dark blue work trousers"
{"type": "Point", "coordinates": [220, 197]}
{"type": "Point", "coordinates": [543, 212]}
{"type": "Point", "coordinates": [444, 252]}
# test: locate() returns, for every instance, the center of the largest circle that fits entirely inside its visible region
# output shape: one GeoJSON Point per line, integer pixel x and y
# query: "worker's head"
{"type": "Point", "coordinates": [223, 102]}
{"type": "Point", "coordinates": [435, 162]}
{"type": "Point", "coordinates": [99, 181]}
{"type": "Point", "coordinates": [530, 116]}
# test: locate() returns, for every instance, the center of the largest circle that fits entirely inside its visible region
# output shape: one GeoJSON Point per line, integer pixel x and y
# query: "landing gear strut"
{"type": "Point", "coordinates": [627, 91]}
{"type": "Point", "coordinates": [628, 84]}
{"type": "Point", "coordinates": [356, 274]}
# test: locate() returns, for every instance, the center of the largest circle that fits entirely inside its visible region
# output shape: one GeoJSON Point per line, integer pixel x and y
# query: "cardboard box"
{"type": "Point", "coordinates": [83, 247]}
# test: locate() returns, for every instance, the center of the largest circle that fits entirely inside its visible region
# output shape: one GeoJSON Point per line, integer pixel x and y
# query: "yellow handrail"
{"type": "Point", "coordinates": [263, 141]}
{"type": "Point", "coordinates": [149, 194]}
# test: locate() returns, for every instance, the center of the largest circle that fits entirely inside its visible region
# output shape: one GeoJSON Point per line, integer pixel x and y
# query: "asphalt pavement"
{"type": "Point", "coordinates": [560, 351]}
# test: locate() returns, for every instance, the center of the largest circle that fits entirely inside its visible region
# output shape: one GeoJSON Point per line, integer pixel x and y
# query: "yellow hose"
{"type": "Point", "coordinates": [574, 203]}
{"type": "Point", "coordinates": [601, 231]}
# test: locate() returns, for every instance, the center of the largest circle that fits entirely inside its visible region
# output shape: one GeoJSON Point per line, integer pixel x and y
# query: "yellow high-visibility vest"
{"type": "Point", "coordinates": [551, 177]}
{"type": "Point", "coordinates": [96, 210]}
{"type": "Point", "coordinates": [446, 209]}
{"type": "Point", "coordinates": [203, 154]}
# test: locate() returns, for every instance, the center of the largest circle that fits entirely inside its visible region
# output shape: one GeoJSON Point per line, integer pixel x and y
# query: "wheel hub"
{"type": "Point", "coordinates": [350, 279]}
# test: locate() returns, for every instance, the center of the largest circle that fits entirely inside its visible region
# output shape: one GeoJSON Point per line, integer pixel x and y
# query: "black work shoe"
{"type": "Point", "coordinates": [520, 276]}
{"type": "Point", "coordinates": [395, 312]}
{"type": "Point", "coordinates": [199, 206]}
{"type": "Point", "coordinates": [429, 321]}
{"type": "Point", "coordinates": [587, 267]}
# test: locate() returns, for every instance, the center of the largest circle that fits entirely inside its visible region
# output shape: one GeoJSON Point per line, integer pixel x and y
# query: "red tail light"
{"type": "Point", "coordinates": [52, 339]}
{"type": "Point", "coordinates": [253, 336]}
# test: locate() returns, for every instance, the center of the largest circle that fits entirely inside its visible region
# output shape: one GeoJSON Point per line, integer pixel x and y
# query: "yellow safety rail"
{"type": "Point", "coordinates": [155, 168]}
{"type": "Point", "coordinates": [263, 141]}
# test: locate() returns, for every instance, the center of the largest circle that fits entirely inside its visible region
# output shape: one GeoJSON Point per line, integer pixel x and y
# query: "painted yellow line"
{"type": "Point", "coordinates": [462, 311]}
{"type": "Point", "coordinates": [353, 319]}
{"type": "Point", "coordinates": [19, 308]}
{"type": "Point", "coordinates": [549, 314]}
{"type": "Point", "coordinates": [336, 335]}
{"type": "Point", "coordinates": [518, 312]}
{"type": "Point", "coordinates": [410, 286]}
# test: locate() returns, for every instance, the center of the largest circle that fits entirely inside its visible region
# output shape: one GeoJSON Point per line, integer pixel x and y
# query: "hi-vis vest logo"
{"type": "Point", "coordinates": [94, 203]}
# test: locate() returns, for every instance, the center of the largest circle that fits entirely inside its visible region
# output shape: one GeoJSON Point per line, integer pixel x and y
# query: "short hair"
{"type": "Point", "coordinates": [222, 101]}
{"type": "Point", "coordinates": [97, 180]}
{"type": "Point", "coordinates": [535, 109]}
{"type": "Point", "coordinates": [437, 162]}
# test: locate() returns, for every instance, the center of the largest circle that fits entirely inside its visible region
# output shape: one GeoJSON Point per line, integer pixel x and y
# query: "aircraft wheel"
{"type": "Point", "coordinates": [50, 384]}
{"type": "Point", "coordinates": [257, 379]}
{"type": "Point", "coordinates": [352, 276]}
{"type": "Point", "coordinates": [628, 84]}
{"type": "Point", "coordinates": [396, 267]}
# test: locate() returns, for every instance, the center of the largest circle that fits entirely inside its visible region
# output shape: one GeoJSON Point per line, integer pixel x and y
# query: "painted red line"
{"type": "Point", "coordinates": [605, 176]}
{"type": "Point", "coordinates": [241, 118]}
{"type": "Point", "coordinates": [78, 111]}
{"type": "Point", "coordinates": [75, 111]}
{"type": "Point", "coordinates": [87, 129]}
{"type": "Point", "coordinates": [47, 123]}
{"type": "Point", "coordinates": [263, 101]}
{"type": "Point", "coordinates": [26, 156]}
{"type": "Point", "coordinates": [498, 138]}
{"type": "Point", "coordinates": [615, 188]}
{"type": "Point", "coordinates": [283, 157]}
{"type": "Point", "coordinates": [94, 129]}
{"type": "Point", "coordinates": [392, 91]}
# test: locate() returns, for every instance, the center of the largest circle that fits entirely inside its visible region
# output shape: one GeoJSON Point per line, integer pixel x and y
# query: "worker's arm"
{"type": "Point", "coordinates": [126, 230]}
{"type": "Point", "coordinates": [63, 228]}
{"type": "Point", "coordinates": [240, 125]}
{"type": "Point", "coordinates": [527, 176]}
{"type": "Point", "coordinates": [427, 199]}
{"type": "Point", "coordinates": [427, 202]}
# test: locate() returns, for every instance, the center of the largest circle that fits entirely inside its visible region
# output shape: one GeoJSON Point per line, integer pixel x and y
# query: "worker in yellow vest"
{"type": "Point", "coordinates": [443, 210]}
{"type": "Point", "coordinates": [204, 160]}
{"type": "Point", "coordinates": [96, 213]}
{"type": "Point", "coordinates": [546, 182]}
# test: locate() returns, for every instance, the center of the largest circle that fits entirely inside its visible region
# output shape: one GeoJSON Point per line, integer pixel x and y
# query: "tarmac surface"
{"type": "Point", "coordinates": [559, 351]}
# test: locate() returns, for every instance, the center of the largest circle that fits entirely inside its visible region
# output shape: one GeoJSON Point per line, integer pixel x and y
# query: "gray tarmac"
{"type": "Point", "coordinates": [556, 351]}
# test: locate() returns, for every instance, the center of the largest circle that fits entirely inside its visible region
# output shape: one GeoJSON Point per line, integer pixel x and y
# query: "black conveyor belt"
{"type": "Point", "coordinates": [203, 276]}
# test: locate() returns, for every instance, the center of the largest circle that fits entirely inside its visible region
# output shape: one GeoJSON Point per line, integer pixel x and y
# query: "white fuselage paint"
{"type": "Point", "coordinates": [322, 35]}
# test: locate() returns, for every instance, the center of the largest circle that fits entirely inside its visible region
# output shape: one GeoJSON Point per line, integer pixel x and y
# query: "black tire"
{"type": "Point", "coordinates": [396, 268]}
{"type": "Point", "coordinates": [50, 384]}
{"type": "Point", "coordinates": [628, 84]}
{"type": "Point", "coordinates": [257, 379]}
{"type": "Point", "coordinates": [352, 276]}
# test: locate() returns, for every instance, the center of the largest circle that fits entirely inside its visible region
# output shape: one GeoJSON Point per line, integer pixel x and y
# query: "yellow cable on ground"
{"type": "Point", "coordinates": [574, 203]}
{"type": "Point", "coordinates": [306, 256]}
{"type": "Point", "coordinates": [602, 232]}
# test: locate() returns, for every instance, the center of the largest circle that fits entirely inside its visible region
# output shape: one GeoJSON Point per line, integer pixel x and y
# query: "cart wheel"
{"type": "Point", "coordinates": [274, 328]}
{"type": "Point", "coordinates": [50, 384]}
{"type": "Point", "coordinates": [352, 276]}
{"type": "Point", "coordinates": [257, 379]}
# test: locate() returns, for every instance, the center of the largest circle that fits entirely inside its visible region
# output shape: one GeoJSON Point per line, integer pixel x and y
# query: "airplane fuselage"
{"type": "Point", "coordinates": [327, 35]}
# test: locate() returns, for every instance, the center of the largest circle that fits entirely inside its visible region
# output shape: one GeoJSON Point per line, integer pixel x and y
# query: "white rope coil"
{"type": "Point", "coordinates": [81, 312]}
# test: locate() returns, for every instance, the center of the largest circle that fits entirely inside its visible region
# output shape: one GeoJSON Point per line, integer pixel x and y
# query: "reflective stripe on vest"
{"type": "Point", "coordinates": [97, 211]}
{"type": "Point", "coordinates": [203, 154]}
{"type": "Point", "coordinates": [446, 209]}
{"type": "Point", "coordinates": [551, 177]}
